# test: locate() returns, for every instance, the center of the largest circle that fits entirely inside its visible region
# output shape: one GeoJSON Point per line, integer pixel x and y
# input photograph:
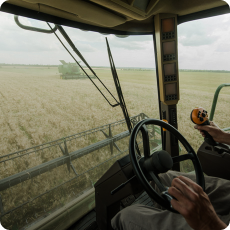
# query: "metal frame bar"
{"type": "Point", "coordinates": [47, 166]}
{"type": "Point", "coordinates": [215, 98]}
{"type": "Point", "coordinates": [34, 28]}
{"type": "Point", "coordinates": [67, 158]}
{"type": "Point", "coordinates": [41, 147]}
{"type": "Point", "coordinates": [113, 144]}
{"type": "Point", "coordinates": [5, 213]}
{"type": "Point", "coordinates": [157, 75]}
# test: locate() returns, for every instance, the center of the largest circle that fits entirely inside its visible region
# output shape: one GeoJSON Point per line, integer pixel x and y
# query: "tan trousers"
{"type": "Point", "coordinates": [140, 217]}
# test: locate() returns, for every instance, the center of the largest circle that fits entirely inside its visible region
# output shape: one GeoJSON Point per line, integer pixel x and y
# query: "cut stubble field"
{"type": "Point", "coordinates": [36, 107]}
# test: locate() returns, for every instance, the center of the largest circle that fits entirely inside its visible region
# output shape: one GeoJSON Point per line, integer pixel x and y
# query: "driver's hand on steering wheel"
{"type": "Point", "coordinates": [194, 205]}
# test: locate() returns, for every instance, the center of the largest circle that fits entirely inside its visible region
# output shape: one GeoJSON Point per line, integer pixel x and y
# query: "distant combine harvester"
{"type": "Point", "coordinates": [70, 71]}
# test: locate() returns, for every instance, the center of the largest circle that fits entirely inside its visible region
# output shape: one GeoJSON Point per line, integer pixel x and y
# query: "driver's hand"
{"type": "Point", "coordinates": [217, 134]}
{"type": "Point", "coordinates": [194, 205]}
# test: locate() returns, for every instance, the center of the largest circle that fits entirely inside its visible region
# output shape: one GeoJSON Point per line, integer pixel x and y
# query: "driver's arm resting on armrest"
{"type": "Point", "coordinates": [217, 134]}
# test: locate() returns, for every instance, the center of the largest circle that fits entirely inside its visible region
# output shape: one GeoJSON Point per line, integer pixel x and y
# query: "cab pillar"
{"type": "Point", "coordinates": [166, 56]}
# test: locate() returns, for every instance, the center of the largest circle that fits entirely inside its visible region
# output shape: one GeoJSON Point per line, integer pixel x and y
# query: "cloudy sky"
{"type": "Point", "coordinates": [203, 44]}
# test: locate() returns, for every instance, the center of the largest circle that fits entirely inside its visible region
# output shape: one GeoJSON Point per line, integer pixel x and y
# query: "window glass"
{"type": "Point", "coordinates": [54, 118]}
{"type": "Point", "coordinates": [204, 52]}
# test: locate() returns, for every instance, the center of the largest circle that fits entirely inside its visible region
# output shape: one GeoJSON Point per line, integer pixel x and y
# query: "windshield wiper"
{"type": "Point", "coordinates": [120, 94]}
{"type": "Point", "coordinates": [67, 38]}
{"type": "Point", "coordinates": [118, 88]}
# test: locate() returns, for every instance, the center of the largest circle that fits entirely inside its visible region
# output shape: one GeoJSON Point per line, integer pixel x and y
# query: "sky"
{"type": "Point", "coordinates": [202, 44]}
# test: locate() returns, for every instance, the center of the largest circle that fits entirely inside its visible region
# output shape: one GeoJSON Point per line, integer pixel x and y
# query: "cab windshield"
{"type": "Point", "coordinates": [59, 135]}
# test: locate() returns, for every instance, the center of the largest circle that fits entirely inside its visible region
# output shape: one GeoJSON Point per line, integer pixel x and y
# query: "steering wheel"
{"type": "Point", "coordinates": [148, 167]}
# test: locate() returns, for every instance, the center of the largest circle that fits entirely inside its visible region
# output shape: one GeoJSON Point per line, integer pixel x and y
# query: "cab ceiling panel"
{"type": "Point", "coordinates": [83, 10]}
{"type": "Point", "coordinates": [187, 7]}
{"type": "Point", "coordinates": [27, 9]}
{"type": "Point", "coordinates": [143, 9]}
{"type": "Point", "coordinates": [122, 17]}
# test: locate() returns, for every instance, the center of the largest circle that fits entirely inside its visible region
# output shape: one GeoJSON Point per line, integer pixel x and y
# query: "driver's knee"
{"type": "Point", "coordinates": [129, 218]}
{"type": "Point", "coordinates": [121, 220]}
{"type": "Point", "coordinates": [166, 178]}
{"type": "Point", "coordinates": [134, 217]}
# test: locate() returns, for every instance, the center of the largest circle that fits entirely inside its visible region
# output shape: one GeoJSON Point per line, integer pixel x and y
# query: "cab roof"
{"type": "Point", "coordinates": [122, 17]}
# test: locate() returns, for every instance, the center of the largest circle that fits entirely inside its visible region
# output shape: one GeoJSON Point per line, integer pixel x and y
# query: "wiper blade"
{"type": "Point", "coordinates": [120, 94]}
{"type": "Point", "coordinates": [118, 88]}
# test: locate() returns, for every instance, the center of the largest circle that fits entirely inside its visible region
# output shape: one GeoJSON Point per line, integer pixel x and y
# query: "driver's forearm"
{"type": "Point", "coordinates": [225, 139]}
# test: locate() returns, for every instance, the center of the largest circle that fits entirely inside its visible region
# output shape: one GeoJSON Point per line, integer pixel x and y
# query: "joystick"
{"type": "Point", "coordinates": [199, 116]}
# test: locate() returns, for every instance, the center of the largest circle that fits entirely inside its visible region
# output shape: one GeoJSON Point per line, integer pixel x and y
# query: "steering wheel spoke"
{"type": "Point", "coordinates": [145, 137]}
{"type": "Point", "coordinates": [184, 157]}
{"type": "Point", "coordinates": [157, 181]}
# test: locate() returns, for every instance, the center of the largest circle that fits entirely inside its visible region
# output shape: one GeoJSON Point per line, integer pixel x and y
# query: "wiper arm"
{"type": "Point", "coordinates": [67, 38]}
{"type": "Point", "coordinates": [65, 35]}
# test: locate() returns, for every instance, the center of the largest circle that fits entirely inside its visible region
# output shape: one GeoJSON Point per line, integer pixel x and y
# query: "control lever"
{"type": "Point", "coordinates": [199, 116]}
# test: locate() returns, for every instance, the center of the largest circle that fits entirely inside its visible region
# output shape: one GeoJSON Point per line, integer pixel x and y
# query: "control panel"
{"type": "Point", "coordinates": [167, 57]}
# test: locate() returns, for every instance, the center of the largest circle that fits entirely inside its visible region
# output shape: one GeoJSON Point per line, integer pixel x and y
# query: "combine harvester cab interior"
{"type": "Point", "coordinates": [96, 159]}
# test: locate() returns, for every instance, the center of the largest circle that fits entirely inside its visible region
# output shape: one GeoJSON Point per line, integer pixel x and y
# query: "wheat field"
{"type": "Point", "coordinates": [37, 107]}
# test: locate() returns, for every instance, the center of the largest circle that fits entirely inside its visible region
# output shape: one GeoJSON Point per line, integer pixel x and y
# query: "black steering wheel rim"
{"type": "Point", "coordinates": [138, 171]}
